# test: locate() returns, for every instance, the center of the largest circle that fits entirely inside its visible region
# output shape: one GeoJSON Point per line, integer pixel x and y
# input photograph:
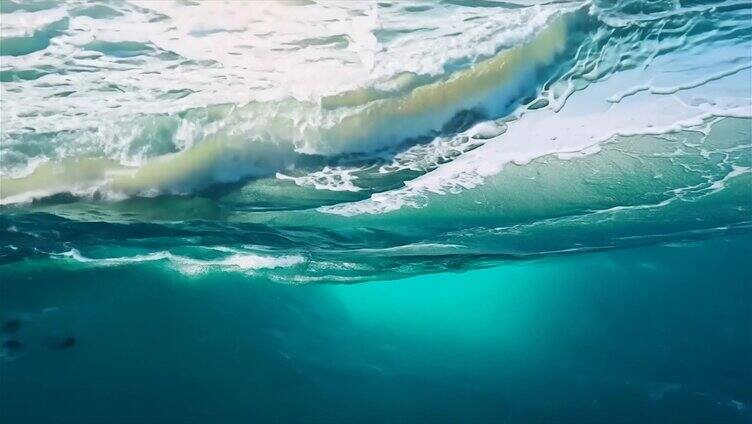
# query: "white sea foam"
{"type": "Point", "coordinates": [329, 178]}
{"type": "Point", "coordinates": [148, 58]}
{"type": "Point", "coordinates": [241, 262]}
{"type": "Point", "coordinates": [280, 131]}
{"type": "Point", "coordinates": [592, 116]}
{"type": "Point", "coordinates": [425, 157]}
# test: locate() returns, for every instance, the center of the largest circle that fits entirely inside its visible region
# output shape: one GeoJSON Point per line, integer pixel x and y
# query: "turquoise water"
{"type": "Point", "coordinates": [456, 211]}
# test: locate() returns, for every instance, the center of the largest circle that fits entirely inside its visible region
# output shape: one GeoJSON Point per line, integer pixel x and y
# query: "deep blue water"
{"type": "Point", "coordinates": [653, 334]}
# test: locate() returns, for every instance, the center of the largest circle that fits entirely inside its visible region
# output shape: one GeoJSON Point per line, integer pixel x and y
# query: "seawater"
{"type": "Point", "coordinates": [649, 334]}
{"type": "Point", "coordinates": [454, 211]}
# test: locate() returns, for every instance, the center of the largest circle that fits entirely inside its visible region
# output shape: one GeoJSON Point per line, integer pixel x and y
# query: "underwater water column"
{"type": "Point", "coordinates": [354, 212]}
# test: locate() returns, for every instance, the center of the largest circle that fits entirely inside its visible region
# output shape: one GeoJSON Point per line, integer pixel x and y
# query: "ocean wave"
{"type": "Point", "coordinates": [436, 138]}
{"type": "Point", "coordinates": [548, 79]}
{"type": "Point", "coordinates": [281, 132]}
